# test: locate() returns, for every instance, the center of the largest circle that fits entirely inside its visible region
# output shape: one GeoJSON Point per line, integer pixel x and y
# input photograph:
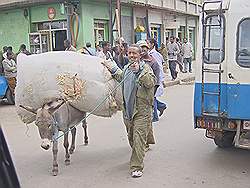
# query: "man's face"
{"type": "Point", "coordinates": [144, 50]}
{"type": "Point", "coordinates": [134, 54]}
{"type": "Point", "coordinates": [107, 47]}
{"type": "Point", "coordinates": [171, 40]}
{"type": "Point", "coordinates": [185, 40]}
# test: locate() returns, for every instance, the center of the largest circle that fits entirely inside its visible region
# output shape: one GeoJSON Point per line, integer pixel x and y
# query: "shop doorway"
{"type": "Point", "coordinates": [156, 33]}
{"type": "Point", "coordinates": [58, 40]}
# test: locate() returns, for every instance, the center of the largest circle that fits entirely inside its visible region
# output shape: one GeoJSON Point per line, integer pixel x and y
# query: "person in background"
{"type": "Point", "coordinates": [138, 97]}
{"type": "Point", "coordinates": [88, 50]}
{"type": "Point", "coordinates": [173, 50]}
{"type": "Point", "coordinates": [187, 50]}
{"type": "Point", "coordinates": [4, 53]}
{"type": "Point", "coordinates": [2, 58]}
{"type": "Point", "coordinates": [9, 49]}
{"type": "Point", "coordinates": [68, 46]}
{"type": "Point", "coordinates": [106, 51]}
{"type": "Point", "coordinates": [23, 50]}
{"type": "Point", "coordinates": [158, 105]}
{"type": "Point", "coordinates": [179, 55]}
{"type": "Point", "coordinates": [163, 51]}
{"type": "Point", "coordinates": [122, 58]}
{"type": "Point", "coordinates": [10, 71]}
{"type": "Point", "coordinates": [98, 50]}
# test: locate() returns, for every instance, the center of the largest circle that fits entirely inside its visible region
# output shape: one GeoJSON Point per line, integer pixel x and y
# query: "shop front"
{"type": "Point", "coordinates": [48, 36]}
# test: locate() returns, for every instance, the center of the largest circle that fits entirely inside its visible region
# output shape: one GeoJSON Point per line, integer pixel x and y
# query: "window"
{"type": "Point", "coordinates": [100, 30]}
{"type": "Point", "coordinates": [243, 43]}
{"type": "Point", "coordinates": [214, 39]}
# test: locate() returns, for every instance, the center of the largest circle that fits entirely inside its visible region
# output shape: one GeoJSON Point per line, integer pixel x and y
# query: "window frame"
{"type": "Point", "coordinates": [238, 44]}
{"type": "Point", "coordinates": [223, 45]}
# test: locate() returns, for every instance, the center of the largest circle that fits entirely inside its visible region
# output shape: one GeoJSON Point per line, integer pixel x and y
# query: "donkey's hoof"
{"type": "Point", "coordinates": [55, 172]}
{"type": "Point", "coordinates": [86, 142]}
{"type": "Point", "coordinates": [67, 162]}
{"type": "Point", "coordinates": [71, 150]}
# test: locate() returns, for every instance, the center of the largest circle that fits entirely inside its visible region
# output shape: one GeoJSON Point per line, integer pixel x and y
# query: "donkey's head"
{"type": "Point", "coordinates": [45, 121]}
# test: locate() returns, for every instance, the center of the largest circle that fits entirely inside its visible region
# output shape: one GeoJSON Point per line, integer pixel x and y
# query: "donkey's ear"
{"type": "Point", "coordinates": [29, 109]}
{"type": "Point", "coordinates": [54, 105]}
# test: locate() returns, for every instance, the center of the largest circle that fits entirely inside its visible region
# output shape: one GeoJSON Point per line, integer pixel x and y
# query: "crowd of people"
{"type": "Point", "coordinates": [179, 54]}
{"type": "Point", "coordinates": [8, 66]}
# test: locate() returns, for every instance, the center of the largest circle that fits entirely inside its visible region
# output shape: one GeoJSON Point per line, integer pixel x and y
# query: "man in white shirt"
{"type": "Point", "coordinates": [187, 50]}
{"type": "Point", "coordinates": [105, 53]}
{"type": "Point", "coordinates": [158, 105]}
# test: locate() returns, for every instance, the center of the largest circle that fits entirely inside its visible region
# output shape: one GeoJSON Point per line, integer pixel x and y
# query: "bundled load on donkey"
{"type": "Point", "coordinates": [82, 80]}
{"type": "Point", "coordinates": [56, 89]}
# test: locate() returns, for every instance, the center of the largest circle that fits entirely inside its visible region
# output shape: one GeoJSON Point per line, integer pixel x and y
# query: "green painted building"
{"type": "Point", "coordinates": [29, 23]}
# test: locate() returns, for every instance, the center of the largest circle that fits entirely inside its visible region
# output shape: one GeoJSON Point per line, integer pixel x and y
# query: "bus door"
{"type": "Point", "coordinates": [238, 73]}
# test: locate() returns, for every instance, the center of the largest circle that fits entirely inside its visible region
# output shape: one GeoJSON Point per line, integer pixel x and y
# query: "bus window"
{"type": "Point", "coordinates": [243, 43]}
{"type": "Point", "coordinates": [214, 39]}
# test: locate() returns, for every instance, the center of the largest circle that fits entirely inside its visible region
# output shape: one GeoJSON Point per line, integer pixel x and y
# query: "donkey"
{"type": "Point", "coordinates": [56, 116]}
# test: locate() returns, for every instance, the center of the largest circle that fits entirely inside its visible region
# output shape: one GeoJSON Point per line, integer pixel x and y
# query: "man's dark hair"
{"type": "Point", "coordinates": [5, 49]}
{"type": "Point", "coordinates": [9, 48]}
{"type": "Point", "coordinates": [125, 45]}
{"type": "Point", "coordinates": [23, 47]}
{"type": "Point", "coordinates": [88, 44]}
{"type": "Point", "coordinates": [154, 42]}
{"type": "Point", "coordinates": [172, 37]}
{"type": "Point", "coordinates": [105, 43]}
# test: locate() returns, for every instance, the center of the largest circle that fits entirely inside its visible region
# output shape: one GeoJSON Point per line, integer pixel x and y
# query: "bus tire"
{"type": "Point", "coordinates": [224, 139]}
{"type": "Point", "coordinates": [10, 97]}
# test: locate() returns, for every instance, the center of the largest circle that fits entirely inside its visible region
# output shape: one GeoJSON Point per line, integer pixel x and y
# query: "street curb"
{"type": "Point", "coordinates": [177, 82]}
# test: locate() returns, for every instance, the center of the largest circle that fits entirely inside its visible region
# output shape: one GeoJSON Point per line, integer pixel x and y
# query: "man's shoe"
{"type": "Point", "coordinates": [137, 174]}
{"type": "Point", "coordinates": [162, 110]}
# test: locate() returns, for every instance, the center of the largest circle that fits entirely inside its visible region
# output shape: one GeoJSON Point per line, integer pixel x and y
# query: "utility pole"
{"type": "Point", "coordinates": [118, 17]}
{"type": "Point", "coordinates": [110, 23]}
{"type": "Point", "coordinates": [117, 20]}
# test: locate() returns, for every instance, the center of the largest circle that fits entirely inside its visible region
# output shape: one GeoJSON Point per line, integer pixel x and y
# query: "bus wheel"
{"type": "Point", "coordinates": [224, 139]}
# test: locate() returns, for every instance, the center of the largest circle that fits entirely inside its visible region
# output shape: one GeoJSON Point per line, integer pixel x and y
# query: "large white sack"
{"type": "Point", "coordinates": [78, 78]}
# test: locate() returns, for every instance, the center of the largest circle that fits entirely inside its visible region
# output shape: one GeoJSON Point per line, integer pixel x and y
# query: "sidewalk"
{"type": "Point", "coordinates": [182, 78]}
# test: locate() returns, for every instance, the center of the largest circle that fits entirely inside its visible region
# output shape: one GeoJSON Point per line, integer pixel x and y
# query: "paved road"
{"type": "Point", "coordinates": [182, 157]}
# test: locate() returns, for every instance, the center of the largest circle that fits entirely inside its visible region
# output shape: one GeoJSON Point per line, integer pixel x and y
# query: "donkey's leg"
{"type": "Point", "coordinates": [73, 145]}
{"type": "Point", "coordinates": [86, 138]}
{"type": "Point", "coordinates": [66, 146]}
{"type": "Point", "coordinates": [55, 164]}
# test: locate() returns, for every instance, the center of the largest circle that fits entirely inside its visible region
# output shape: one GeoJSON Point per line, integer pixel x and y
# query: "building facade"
{"type": "Point", "coordinates": [43, 25]}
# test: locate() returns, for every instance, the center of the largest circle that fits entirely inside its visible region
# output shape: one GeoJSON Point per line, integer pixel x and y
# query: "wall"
{"type": "Point", "coordinates": [13, 29]}
{"type": "Point", "coordinates": [97, 10]}
{"type": "Point", "coordinates": [40, 13]}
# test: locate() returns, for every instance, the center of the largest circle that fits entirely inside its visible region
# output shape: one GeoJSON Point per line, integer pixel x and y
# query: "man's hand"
{"type": "Point", "coordinates": [107, 64]}
{"type": "Point", "coordinates": [135, 67]}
